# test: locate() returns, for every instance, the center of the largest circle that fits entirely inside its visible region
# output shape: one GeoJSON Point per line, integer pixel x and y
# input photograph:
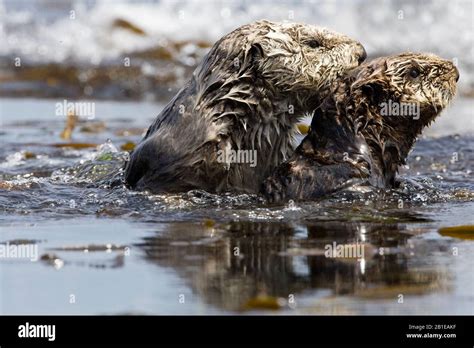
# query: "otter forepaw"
{"type": "Point", "coordinates": [273, 190]}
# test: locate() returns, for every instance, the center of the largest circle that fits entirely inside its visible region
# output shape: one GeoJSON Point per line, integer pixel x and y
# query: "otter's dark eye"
{"type": "Point", "coordinates": [313, 43]}
{"type": "Point", "coordinates": [414, 73]}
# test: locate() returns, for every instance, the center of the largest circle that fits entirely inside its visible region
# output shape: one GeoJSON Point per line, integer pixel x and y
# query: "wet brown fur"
{"type": "Point", "coordinates": [249, 92]}
{"type": "Point", "coordinates": [350, 141]}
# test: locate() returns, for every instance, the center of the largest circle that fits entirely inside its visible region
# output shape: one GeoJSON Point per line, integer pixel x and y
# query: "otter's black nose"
{"type": "Point", "coordinates": [362, 53]}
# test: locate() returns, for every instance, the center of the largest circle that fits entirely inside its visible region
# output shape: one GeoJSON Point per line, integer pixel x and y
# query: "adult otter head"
{"type": "Point", "coordinates": [247, 94]}
{"type": "Point", "coordinates": [296, 60]}
{"type": "Point", "coordinates": [365, 128]}
{"type": "Point", "coordinates": [294, 57]}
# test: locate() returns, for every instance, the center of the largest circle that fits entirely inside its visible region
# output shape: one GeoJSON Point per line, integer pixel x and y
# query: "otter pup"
{"type": "Point", "coordinates": [364, 130]}
{"type": "Point", "coordinates": [245, 98]}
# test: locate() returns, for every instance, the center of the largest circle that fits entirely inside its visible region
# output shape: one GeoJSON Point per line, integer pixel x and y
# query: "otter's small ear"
{"type": "Point", "coordinates": [251, 55]}
{"type": "Point", "coordinates": [374, 90]}
{"type": "Point", "coordinates": [372, 83]}
{"type": "Point", "coordinates": [256, 51]}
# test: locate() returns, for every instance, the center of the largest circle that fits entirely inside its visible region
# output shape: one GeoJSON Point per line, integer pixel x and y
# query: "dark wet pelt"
{"type": "Point", "coordinates": [120, 252]}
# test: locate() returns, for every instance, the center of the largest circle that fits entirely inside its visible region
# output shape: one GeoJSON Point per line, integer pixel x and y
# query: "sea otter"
{"type": "Point", "coordinates": [364, 129]}
{"type": "Point", "coordinates": [241, 105]}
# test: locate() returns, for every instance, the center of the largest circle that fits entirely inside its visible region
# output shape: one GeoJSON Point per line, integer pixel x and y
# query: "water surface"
{"type": "Point", "coordinates": [114, 251]}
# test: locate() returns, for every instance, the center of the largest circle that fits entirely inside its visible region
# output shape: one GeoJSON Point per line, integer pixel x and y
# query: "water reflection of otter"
{"type": "Point", "coordinates": [362, 132]}
{"type": "Point", "coordinates": [265, 263]}
{"type": "Point", "coordinates": [245, 98]}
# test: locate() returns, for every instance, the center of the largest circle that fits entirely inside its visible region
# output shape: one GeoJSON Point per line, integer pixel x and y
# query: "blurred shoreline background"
{"type": "Point", "coordinates": [145, 50]}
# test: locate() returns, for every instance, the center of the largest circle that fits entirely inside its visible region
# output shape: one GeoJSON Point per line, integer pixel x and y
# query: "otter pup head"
{"type": "Point", "coordinates": [364, 129]}
{"type": "Point", "coordinates": [405, 92]}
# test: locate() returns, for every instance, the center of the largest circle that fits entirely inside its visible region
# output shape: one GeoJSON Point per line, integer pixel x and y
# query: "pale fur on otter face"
{"type": "Point", "coordinates": [351, 141]}
{"type": "Point", "coordinates": [247, 94]}
{"type": "Point", "coordinates": [424, 80]}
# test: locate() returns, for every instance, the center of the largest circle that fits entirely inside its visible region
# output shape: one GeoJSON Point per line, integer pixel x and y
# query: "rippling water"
{"type": "Point", "coordinates": [118, 251]}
